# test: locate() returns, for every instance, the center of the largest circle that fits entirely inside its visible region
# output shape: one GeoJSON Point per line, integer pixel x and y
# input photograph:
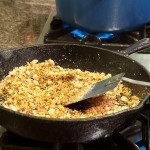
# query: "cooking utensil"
{"type": "Point", "coordinates": [136, 82]}
{"type": "Point", "coordinates": [88, 99]}
{"type": "Point", "coordinates": [85, 58]}
{"type": "Point", "coordinates": [100, 88]}
{"type": "Point", "coordinates": [104, 15]}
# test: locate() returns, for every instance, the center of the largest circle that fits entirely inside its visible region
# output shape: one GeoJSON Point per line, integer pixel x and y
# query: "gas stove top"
{"type": "Point", "coordinates": [134, 136]}
{"type": "Point", "coordinates": [55, 31]}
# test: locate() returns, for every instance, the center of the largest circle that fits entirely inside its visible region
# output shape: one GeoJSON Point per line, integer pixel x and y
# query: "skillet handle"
{"type": "Point", "coordinates": [138, 46]}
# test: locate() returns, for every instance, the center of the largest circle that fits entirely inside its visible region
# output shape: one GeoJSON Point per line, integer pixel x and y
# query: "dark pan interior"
{"type": "Point", "coordinates": [71, 56]}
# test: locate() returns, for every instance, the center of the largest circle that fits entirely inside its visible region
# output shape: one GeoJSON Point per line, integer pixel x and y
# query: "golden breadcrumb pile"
{"type": "Point", "coordinates": [43, 89]}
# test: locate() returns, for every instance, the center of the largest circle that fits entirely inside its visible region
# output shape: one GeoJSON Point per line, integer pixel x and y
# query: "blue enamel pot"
{"type": "Point", "coordinates": [104, 15]}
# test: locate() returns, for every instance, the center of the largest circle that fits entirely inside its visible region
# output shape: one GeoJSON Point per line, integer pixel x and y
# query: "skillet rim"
{"type": "Point", "coordinates": [135, 108]}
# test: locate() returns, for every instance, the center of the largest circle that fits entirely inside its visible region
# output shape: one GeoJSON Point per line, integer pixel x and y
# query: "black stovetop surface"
{"type": "Point", "coordinates": [10, 141]}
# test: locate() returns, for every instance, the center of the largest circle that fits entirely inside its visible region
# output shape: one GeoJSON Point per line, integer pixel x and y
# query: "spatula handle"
{"type": "Point", "coordinates": [137, 82]}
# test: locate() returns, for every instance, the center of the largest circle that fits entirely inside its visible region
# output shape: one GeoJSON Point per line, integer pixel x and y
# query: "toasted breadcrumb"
{"type": "Point", "coordinates": [43, 89]}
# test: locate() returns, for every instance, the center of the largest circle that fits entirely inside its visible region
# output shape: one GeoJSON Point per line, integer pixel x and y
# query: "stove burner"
{"type": "Point", "coordinates": [76, 33]}
{"type": "Point", "coordinates": [79, 33]}
{"type": "Point", "coordinates": [63, 33]}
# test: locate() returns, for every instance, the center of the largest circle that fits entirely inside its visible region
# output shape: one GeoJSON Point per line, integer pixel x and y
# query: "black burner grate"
{"type": "Point", "coordinates": [62, 33]}
{"type": "Point", "coordinates": [10, 141]}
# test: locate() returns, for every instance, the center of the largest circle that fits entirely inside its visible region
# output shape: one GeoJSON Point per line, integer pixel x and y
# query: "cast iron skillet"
{"type": "Point", "coordinates": [72, 56]}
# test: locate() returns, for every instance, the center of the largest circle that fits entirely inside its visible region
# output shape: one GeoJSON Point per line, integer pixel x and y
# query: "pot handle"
{"type": "Point", "coordinates": [137, 47]}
